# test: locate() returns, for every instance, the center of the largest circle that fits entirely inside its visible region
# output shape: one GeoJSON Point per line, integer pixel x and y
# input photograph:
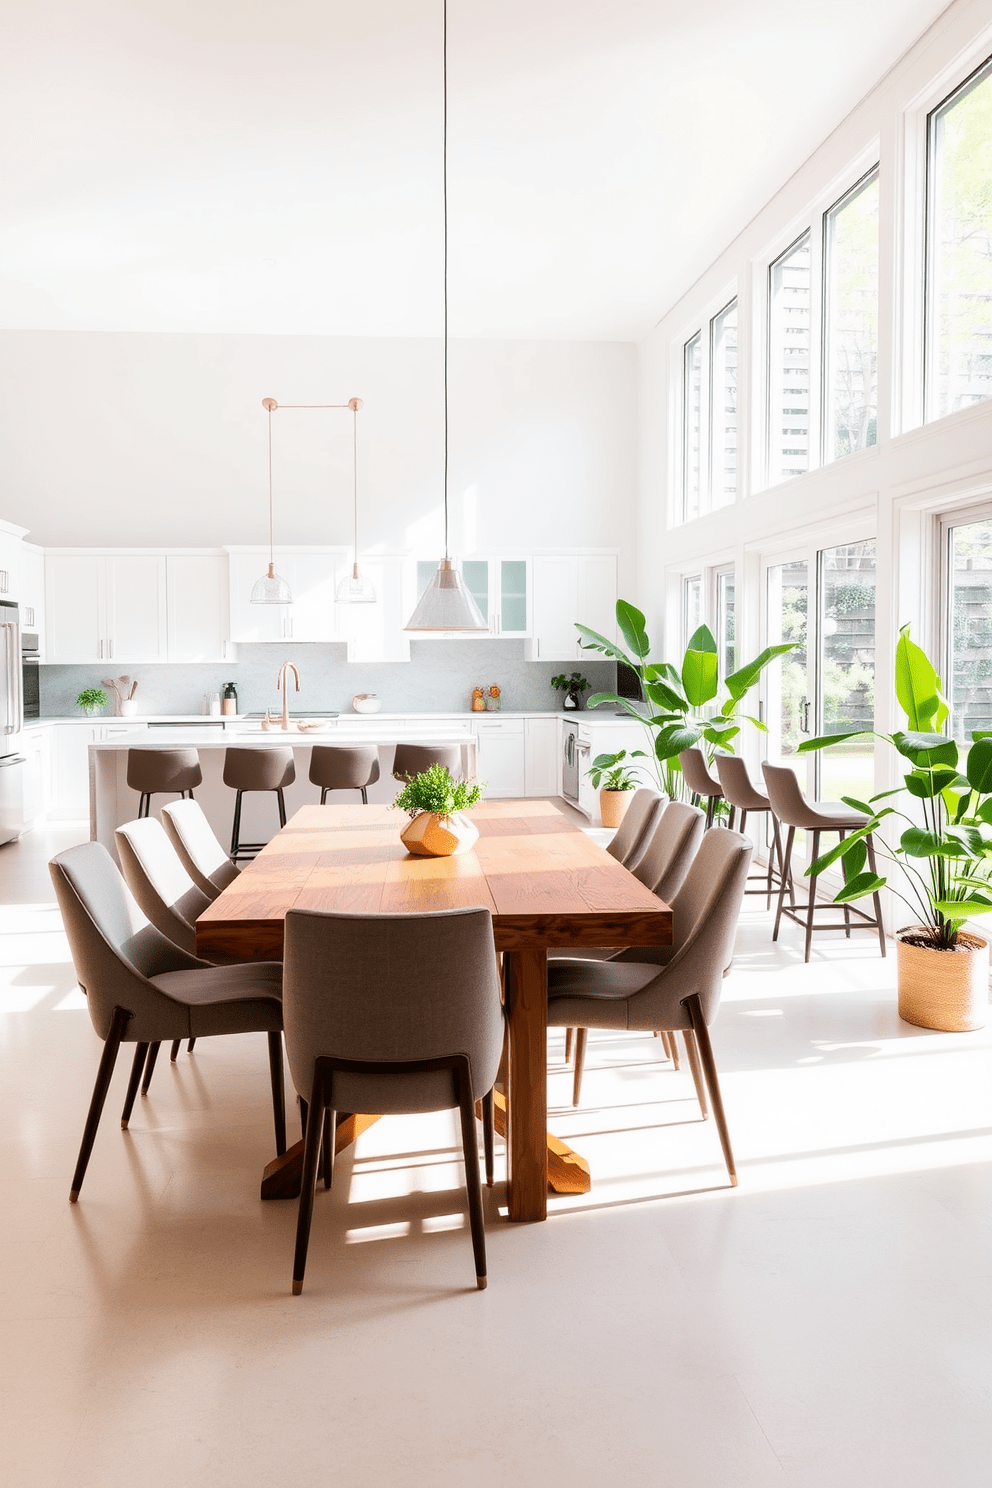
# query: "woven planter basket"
{"type": "Point", "coordinates": [945, 990]}
{"type": "Point", "coordinates": [613, 806]}
{"type": "Point", "coordinates": [431, 835]}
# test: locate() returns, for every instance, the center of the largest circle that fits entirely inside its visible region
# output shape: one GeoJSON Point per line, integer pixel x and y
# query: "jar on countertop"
{"type": "Point", "coordinates": [229, 702]}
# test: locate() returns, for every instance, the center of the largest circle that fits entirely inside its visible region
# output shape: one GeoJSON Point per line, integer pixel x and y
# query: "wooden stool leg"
{"type": "Point", "coordinates": [236, 828]}
{"type": "Point", "coordinates": [812, 897]}
{"type": "Point", "coordinates": [581, 1035]}
{"type": "Point", "coordinates": [847, 908]}
{"type": "Point", "coordinates": [282, 806]}
{"type": "Point", "coordinates": [786, 878]}
{"type": "Point", "coordinates": [870, 845]}
{"type": "Point", "coordinates": [108, 1059]}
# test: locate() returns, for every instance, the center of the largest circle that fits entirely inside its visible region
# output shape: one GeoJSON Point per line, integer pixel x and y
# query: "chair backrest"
{"type": "Point", "coordinates": [666, 859]}
{"type": "Point", "coordinates": [114, 948]}
{"type": "Point", "coordinates": [167, 770]}
{"type": "Point", "coordinates": [787, 800]}
{"type": "Point", "coordinates": [697, 776]}
{"type": "Point", "coordinates": [639, 818]}
{"type": "Point", "coordinates": [414, 759]}
{"type": "Point", "coordinates": [344, 767]}
{"type": "Point", "coordinates": [738, 787]}
{"type": "Point", "coordinates": [705, 913]}
{"type": "Point", "coordinates": [159, 882]}
{"type": "Point", "coordinates": [200, 853]}
{"type": "Point", "coordinates": [392, 987]}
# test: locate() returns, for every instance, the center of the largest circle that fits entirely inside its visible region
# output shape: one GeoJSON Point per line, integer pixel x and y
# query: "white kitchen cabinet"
{"type": "Point", "coordinates": [501, 755]}
{"type": "Point", "coordinates": [106, 608]}
{"type": "Point", "coordinates": [374, 632]}
{"type": "Point", "coordinates": [541, 756]}
{"type": "Point", "coordinates": [71, 764]}
{"type": "Point", "coordinates": [11, 551]}
{"type": "Point", "coordinates": [32, 592]}
{"type": "Point", "coordinates": [501, 587]}
{"type": "Point", "coordinates": [39, 774]}
{"type": "Point", "coordinates": [197, 607]}
{"type": "Point", "coordinates": [569, 588]}
{"type": "Point", "coordinates": [312, 575]}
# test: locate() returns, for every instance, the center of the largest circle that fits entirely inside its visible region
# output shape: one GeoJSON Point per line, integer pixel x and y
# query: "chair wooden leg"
{"type": "Point", "coordinates": [697, 1074]}
{"type": "Point", "coordinates": [108, 1059]}
{"type": "Point", "coordinates": [329, 1138]}
{"type": "Point", "coordinates": [311, 1159]}
{"type": "Point", "coordinates": [811, 904]}
{"type": "Point", "coordinates": [487, 1137]}
{"type": "Point", "coordinates": [673, 1044]}
{"type": "Point", "coordinates": [278, 1090]}
{"type": "Point", "coordinates": [847, 907]}
{"type": "Point", "coordinates": [304, 1111]}
{"type": "Point", "coordinates": [134, 1080]}
{"type": "Point", "coordinates": [189, 1046]}
{"type": "Point", "coordinates": [581, 1035]}
{"type": "Point", "coordinates": [666, 1043]}
{"type": "Point", "coordinates": [705, 1051]}
{"type": "Point", "coordinates": [569, 1037]}
{"type": "Point", "coordinates": [174, 1051]}
{"type": "Point", "coordinates": [786, 879]}
{"type": "Point", "coordinates": [150, 1066]}
{"type": "Point", "coordinates": [466, 1109]}
{"type": "Point", "coordinates": [870, 845]}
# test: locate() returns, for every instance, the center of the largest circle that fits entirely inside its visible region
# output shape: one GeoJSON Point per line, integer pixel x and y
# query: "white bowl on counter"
{"type": "Point", "coordinates": [366, 702]}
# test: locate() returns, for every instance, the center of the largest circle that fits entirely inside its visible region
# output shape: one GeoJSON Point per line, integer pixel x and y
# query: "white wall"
{"type": "Point", "coordinates": [161, 439]}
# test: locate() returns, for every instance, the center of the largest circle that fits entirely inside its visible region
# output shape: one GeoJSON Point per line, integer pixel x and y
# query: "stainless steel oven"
{"type": "Point", "coordinates": [30, 673]}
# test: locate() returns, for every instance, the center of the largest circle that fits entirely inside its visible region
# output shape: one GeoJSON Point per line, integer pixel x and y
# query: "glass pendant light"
{"type": "Point", "coordinates": [446, 603]}
{"type": "Point", "coordinates": [270, 588]}
{"type": "Point", "coordinates": [355, 588]}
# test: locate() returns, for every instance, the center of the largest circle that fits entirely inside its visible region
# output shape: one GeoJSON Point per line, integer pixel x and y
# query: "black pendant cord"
{"type": "Point", "coordinates": [444, 182]}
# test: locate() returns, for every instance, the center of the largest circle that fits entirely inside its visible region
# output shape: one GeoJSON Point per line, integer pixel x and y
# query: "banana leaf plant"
{"type": "Point", "coordinates": [684, 703]}
{"type": "Point", "coordinates": [944, 852]}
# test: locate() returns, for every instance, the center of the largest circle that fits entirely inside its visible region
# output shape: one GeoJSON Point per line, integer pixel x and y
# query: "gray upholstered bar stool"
{"type": "Point", "coordinates": [743, 796]}
{"type": "Point", "coordinates": [700, 782]}
{"type": "Point", "coordinates": [413, 759]}
{"type": "Point", "coordinates": [261, 769]}
{"type": "Point", "coordinates": [792, 808]}
{"type": "Point", "coordinates": [152, 772]}
{"type": "Point", "coordinates": [344, 767]}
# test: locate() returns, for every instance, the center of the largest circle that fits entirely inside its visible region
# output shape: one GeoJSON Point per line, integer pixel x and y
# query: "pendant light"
{"type": "Point", "coordinates": [446, 604]}
{"type": "Point", "coordinates": [355, 588]}
{"type": "Point", "coordinates": [270, 588]}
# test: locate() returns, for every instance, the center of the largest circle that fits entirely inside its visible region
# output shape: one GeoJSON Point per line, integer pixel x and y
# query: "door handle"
{"type": "Point", "coordinates": [804, 707]}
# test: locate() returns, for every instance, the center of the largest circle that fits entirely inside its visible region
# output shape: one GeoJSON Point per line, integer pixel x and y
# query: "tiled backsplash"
{"type": "Point", "coordinates": [439, 677]}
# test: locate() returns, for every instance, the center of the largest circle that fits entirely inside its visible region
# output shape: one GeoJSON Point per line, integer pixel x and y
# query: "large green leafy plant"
{"type": "Point", "coordinates": [943, 852]}
{"type": "Point", "coordinates": [685, 706]}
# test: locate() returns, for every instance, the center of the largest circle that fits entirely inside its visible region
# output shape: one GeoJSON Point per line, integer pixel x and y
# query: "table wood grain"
{"type": "Point", "coordinates": [545, 882]}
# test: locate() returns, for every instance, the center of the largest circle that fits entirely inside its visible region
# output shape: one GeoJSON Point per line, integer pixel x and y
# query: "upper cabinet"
{"type": "Point", "coordinates": [501, 587]}
{"type": "Point", "coordinates": [11, 550]}
{"type": "Point", "coordinates": [122, 607]}
{"type": "Point", "coordinates": [32, 591]}
{"type": "Point", "coordinates": [567, 589]}
{"type": "Point", "coordinates": [374, 632]}
{"type": "Point", "coordinates": [312, 575]}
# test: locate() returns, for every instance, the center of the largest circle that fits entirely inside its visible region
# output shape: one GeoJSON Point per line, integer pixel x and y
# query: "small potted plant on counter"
{"type": "Point", "coordinates": [92, 700]}
{"type": "Point", "coordinates": [435, 800]}
{"type": "Point", "coordinates": [616, 783]}
{"type": "Point", "coordinates": [573, 687]}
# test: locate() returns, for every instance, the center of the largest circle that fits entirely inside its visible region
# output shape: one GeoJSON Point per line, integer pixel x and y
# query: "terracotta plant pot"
{"type": "Point", "coordinates": [613, 806]}
{"type": "Point", "coordinates": [945, 990]}
{"type": "Point", "coordinates": [431, 835]}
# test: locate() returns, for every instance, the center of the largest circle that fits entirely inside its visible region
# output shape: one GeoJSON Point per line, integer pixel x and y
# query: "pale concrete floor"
{"type": "Point", "coordinates": [826, 1325]}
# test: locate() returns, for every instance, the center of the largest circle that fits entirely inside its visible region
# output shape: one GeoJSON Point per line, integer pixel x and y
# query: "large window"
{"type": "Point", "coordinates": [789, 362]}
{"type": "Point", "coordinates": [692, 380]}
{"type": "Point", "coordinates": [969, 625]}
{"type": "Point", "coordinates": [850, 246]}
{"type": "Point", "coordinates": [709, 415]}
{"type": "Point", "coordinates": [959, 248]}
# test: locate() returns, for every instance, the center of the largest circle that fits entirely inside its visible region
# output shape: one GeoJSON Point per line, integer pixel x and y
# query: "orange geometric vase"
{"type": "Point", "coordinates": [432, 835]}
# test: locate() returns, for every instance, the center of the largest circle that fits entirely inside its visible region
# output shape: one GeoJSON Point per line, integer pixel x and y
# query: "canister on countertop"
{"type": "Point", "coordinates": [478, 705]}
{"type": "Point", "coordinates": [230, 704]}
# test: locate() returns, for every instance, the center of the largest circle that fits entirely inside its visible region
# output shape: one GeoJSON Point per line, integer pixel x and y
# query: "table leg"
{"type": "Point", "coordinates": [283, 1176]}
{"type": "Point", "coordinates": [527, 1153]}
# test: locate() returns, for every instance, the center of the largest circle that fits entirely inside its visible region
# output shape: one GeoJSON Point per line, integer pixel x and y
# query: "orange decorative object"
{"type": "Point", "coordinates": [478, 703]}
{"type": "Point", "coordinates": [431, 835]}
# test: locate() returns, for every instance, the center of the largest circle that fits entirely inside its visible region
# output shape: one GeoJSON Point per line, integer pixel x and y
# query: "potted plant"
{"type": "Point", "coordinates": [92, 700]}
{"type": "Point", "coordinates": [943, 970]}
{"type": "Point", "coordinates": [573, 687]}
{"type": "Point", "coordinates": [616, 783]}
{"type": "Point", "coordinates": [434, 801]}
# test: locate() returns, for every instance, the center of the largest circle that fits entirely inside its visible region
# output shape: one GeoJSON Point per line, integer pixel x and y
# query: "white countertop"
{"type": "Point", "coordinates": [348, 718]}
{"type": "Point", "coordinates": [180, 737]}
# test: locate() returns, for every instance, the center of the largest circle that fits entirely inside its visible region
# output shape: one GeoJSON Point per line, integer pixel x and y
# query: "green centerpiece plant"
{"type": "Point", "coordinates": [92, 699]}
{"type": "Point", "coordinates": [434, 801]}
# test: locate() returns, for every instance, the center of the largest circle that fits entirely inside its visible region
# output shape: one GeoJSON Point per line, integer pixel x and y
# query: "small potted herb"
{"type": "Point", "coordinates": [616, 783]}
{"type": "Point", "coordinates": [92, 700]}
{"type": "Point", "coordinates": [434, 801]}
{"type": "Point", "coordinates": [573, 687]}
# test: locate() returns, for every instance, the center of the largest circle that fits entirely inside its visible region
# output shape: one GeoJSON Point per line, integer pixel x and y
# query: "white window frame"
{"type": "Point", "coordinates": [702, 326]}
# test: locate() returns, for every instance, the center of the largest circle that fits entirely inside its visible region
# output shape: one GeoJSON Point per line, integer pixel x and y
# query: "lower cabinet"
{"type": "Point", "coordinates": [501, 755]}
{"type": "Point", "coordinates": [71, 773]}
{"type": "Point", "coordinates": [39, 775]}
{"type": "Point", "coordinates": [541, 756]}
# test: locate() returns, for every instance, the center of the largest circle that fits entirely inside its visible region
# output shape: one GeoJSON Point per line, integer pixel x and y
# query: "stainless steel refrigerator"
{"type": "Point", "coordinates": [12, 723]}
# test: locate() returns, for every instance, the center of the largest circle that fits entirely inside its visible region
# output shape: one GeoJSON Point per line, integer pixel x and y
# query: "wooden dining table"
{"type": "Point", "coordinates": [547, 884]}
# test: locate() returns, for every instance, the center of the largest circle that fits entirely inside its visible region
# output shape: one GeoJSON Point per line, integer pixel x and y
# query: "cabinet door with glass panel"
{"type": "Point", "coordinates": [823, 601]}
{"type": "Point", "coordinates": [501, 587]}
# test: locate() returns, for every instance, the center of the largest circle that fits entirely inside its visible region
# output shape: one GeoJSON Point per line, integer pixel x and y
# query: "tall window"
{"type": "Point", "coordinates": [959, 248]}
{"type": "Point", "coordinates": [723, 406]}
{"type": "Point", "coordinates": [969, 626]}
{"type": "Point", "coordinates": [692, 392]}
{"type": "Point", "coordinates": [692, 605]}
{"type": "Point", "coordinates": [726, 620]}
{"type": "Point", "coordinates": [789, 362]}
{"type": "Point", "coordinates": [851, 343]}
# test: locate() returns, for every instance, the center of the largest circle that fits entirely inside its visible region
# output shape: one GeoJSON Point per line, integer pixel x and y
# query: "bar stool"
{"type": "Point", "coordinates": [743, 795]}
{"type": "Point", "coordinates": [256, 770]}
{"type": "Point", "coordinates": [414, 759]}
{"type": "Point", "coordinates": [339, 767]}
{"type": "Point", "coordinates": [700, 781]}
{"type": "Point", "coordinates": [791, 807]}
{"type": "Point", "coordinates": [151, 772]}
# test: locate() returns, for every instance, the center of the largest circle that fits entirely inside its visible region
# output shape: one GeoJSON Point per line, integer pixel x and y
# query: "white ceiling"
{"type": "Point", "coordinates": [239, 166]}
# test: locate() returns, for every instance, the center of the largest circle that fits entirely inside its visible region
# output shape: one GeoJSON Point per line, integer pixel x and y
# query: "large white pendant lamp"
{"type": "Point", "coordinates": [446, 604]}
{"type": "Point", "coordinates": [270, 588]}
{"type": "Point", "coordinates": [355, 588]}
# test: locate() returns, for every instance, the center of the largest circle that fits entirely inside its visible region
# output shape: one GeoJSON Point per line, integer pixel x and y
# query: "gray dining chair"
{"type": "Point", "coordinates": [200, 853]}
{"type": "Point", "coordinates": [392, 1013]}
{"type": "Point", "coordinates": [634, 831]}
{"type": "Point", "coordinates": [673, 988]}
{"type": "Point", "coordinates": [142, 989]}
{"type": "Point", "coordinates": [344, 767]}
{"type": "Point", "coordinates": [668, 855]}
{"type": "Point", "coordinates": [156, 877]}
{"type": "Point", "coordinates": [414, 759]}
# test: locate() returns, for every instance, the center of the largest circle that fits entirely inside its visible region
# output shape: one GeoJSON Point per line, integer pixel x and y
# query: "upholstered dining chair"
{"type": "Point", "coordinates": [200, 853]}
{"type": "Point", "coordinates": [634, 831]}
{"type": "Point", "coordinates": [795, 812]}
{"type": "Point", "coordinates": [674, 842]}
{"type": "Point", "coordinates": [743, 797]}
{"type": "Point", "coordinates": [673, 988]}
{"type": "Point", "coordinates": [699, 780]}
{"type": "Point", "coordinates": [141, 989]}
{"type": "Point", "coordinates": [414, 759]}
{"type": "Point", "coordinates": [344, 767]}
{"type": "Point", "coordinates": [392, 1013]}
